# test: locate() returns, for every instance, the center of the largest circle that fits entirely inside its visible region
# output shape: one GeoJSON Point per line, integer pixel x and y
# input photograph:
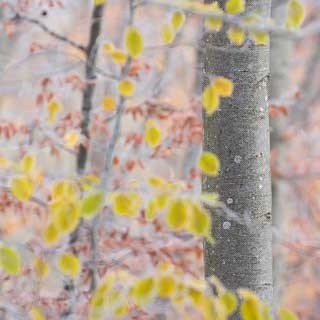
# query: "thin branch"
{"type": "Point", "coordinates": [18, 16]}
{"type": "Point", "coordinates": [32, 198]}
{"type": "Point", "coordinates": [55, 140]}
{"type": "Point", "coordinates": [237, 20]}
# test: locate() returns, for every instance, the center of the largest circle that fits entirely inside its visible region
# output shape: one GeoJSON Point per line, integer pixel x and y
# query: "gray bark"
{"type": "Point", "coordinates": [281, 49]}
{"type": "Point", "coordinates": [239, 134]}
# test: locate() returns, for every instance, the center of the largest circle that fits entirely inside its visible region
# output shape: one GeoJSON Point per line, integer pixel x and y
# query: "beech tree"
{"type": "Point", "coordinates": [101, 214]}
{"type": "Point", "coordinates": [239, 133]}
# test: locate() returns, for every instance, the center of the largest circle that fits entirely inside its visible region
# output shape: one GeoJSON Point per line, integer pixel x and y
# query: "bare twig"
{"type": "Point", "coordinates": [18, 16]}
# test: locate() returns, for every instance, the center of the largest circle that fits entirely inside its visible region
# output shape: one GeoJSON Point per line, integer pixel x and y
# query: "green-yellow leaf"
{"type": "Point", "coordinates": [36, 313]}
{"type": "Point", "coordinates": [118, 56]}
{"type": "Point", "coordinates": [91, 204]}
{"type": "Point", "coordinates": [142, 291]}
{"type": "Point", "coordinates": [199, 221]}
{"type": "Point", "coordinates": [295, 14]}
{"type": "Point", "coordinates": [177, 214]}
{"type": "Point", "coordinates": [21, 187]}
{"type": "Point", "coordinates": [250, 309]}
{"type": "Point", "coordinates": [209, 163]}
{"type": "Point", "coordinates": [27, 163]}
{"type": "Point", "coordinates": [152, 136]}
{"type": "Point", "coordinates": [133, 41]}
{"type": "Point", "coordinates": [235, 6]}
{"type": "Point", "coordinates": [260, 38]}
{"type": "Point", "coordinates": [229, 299]}
{"type": "Point", "coordinates": [166, 285]}
{"type": "Point", "coordinates": [177, 20]}
{"type": "Point", "coordinates": [167, 33]}
{"type": "Point", "coordinates": [41, 267]}
{"type": "Point", "coordinates": [50, 234]}
{"type": "Point", "coordinates": [126, 203]}
{"type": "Point", "coordinates": [236, 35]}
{"type": "Point", "coordinates": [69, 264]}
{"type": "Point", "coordinates": [285, 314]}
{"type": "Point", "coordinates": [9, 260]}
{"type": "Point", "coordinates": [53, 107]}
{"type": "Point", "coordinates": [210, 99]}
{"type": "Point", "coordinates": [125, 88]}
{"type": "Point", "coordinates": [214, 24]}
{"type": "Point", "coordinates": [99, 2]}
{"type": "Point", "coordinates": [66, 216]}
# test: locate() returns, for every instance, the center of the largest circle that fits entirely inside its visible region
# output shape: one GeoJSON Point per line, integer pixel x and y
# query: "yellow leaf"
{"type": "Point", "coordinates": [88, 181]}
{"type": "Point", "coordinates": [166, 286]}
{"type": "Point", "coordinates": [142, 291]}
{"type": "Point", "coordinates": [213, 23]}
{"type": "Point", "coordinates": [66, 217]}
{"type": "Point", "coordinates": [51, 234]}
{"type": "Point", "coordinates": [133, 41]}
{"type": "Point", "coordinates": [260, 38]}
{"type": "Point", "coordinates": [36, 313]}
{"type": "Point", "coordinates": [69, 264]}
{"type": "Point", "coordinates": [119, 56]}
{"type": "Point", "coordinates": [285, 314]}
{"type": "Point", "coordinates": [9, 260]}
{"type": "Point", "coordinates": [41, 268]}
{"type": "Point", "coordinates": [125, 88]}
{"type": "Point", "coordinates": [209, 163]}
{"type": "Point", "coordinates": [177, 214]}
{"type": "Point", "coordinates": [235, 6]}
{"type": "Point", "coordinates": [210, 99]}
{"type": "Point", "coordinates": [167, 33]}
{"type": "Point", "coordinates": [108, 47]}
{"type": "Point", "coordinates": [209, 198]}
{"type": "Point", "coordinates": [108, 103]}
{"type": "Point", "coordinates": [71, 139]}
{"type": "Point", "coordinates": [223, 86]}
{"type": "Point", "coordinates": [229, 299]}
{"type": "Point", "coordinates": [63, 189]}
{"type": "Point", "coordinates": [53, 107]}
{"type": "Point", "coordinates": [265, 313]}
{"type": "Point", "coordinates": [126, 203]}
{"type": "Point", "coordinates": [120, 310]}
{"type": "Point", "coordinates": [99, 2]}
{"type": "Point", "coordinates": [91, 204]}
{"type": "Point", "coordinates": [199, 222]}
{"type": "Point", "coordinates": [152, 136]}
{"type": "Point", "coordinates": [150, 210]}
{"type": "Point", "coordinates": [250, 309]}
{"type": "Point", "coordinates": [157, 182]}
{"type": "Point", "coordinates": [21, 187]}
{"type": "Point", "coordinates": [177, 20]}
{"type": "Point", "coordinates": [236, 35]}
{"type": "Point", "coordinates": [295, 14]}
{"type": "Point", "coordinates": [27, 163]}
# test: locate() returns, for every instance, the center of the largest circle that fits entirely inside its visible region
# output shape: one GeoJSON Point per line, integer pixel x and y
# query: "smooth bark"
{"type": "Point", "coordinates": [239, 134]}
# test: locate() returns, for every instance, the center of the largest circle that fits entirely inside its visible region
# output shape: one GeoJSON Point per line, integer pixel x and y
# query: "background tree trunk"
{"type": "Point", "coordinates": [239, 134]}
{"type": "Point", "coordinates": [281, 49]}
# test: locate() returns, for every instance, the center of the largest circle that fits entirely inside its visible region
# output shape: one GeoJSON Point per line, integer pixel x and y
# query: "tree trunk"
{"type": "Point", "coordinates": [239, 134]}
{"type": "Point", "coordinates": [281, 49]}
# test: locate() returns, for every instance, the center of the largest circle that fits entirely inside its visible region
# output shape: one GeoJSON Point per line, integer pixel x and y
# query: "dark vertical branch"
{"type": "Point", "coordinates": [239, 134]}
{"type": "Point", "coordinates": [91, 53]}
